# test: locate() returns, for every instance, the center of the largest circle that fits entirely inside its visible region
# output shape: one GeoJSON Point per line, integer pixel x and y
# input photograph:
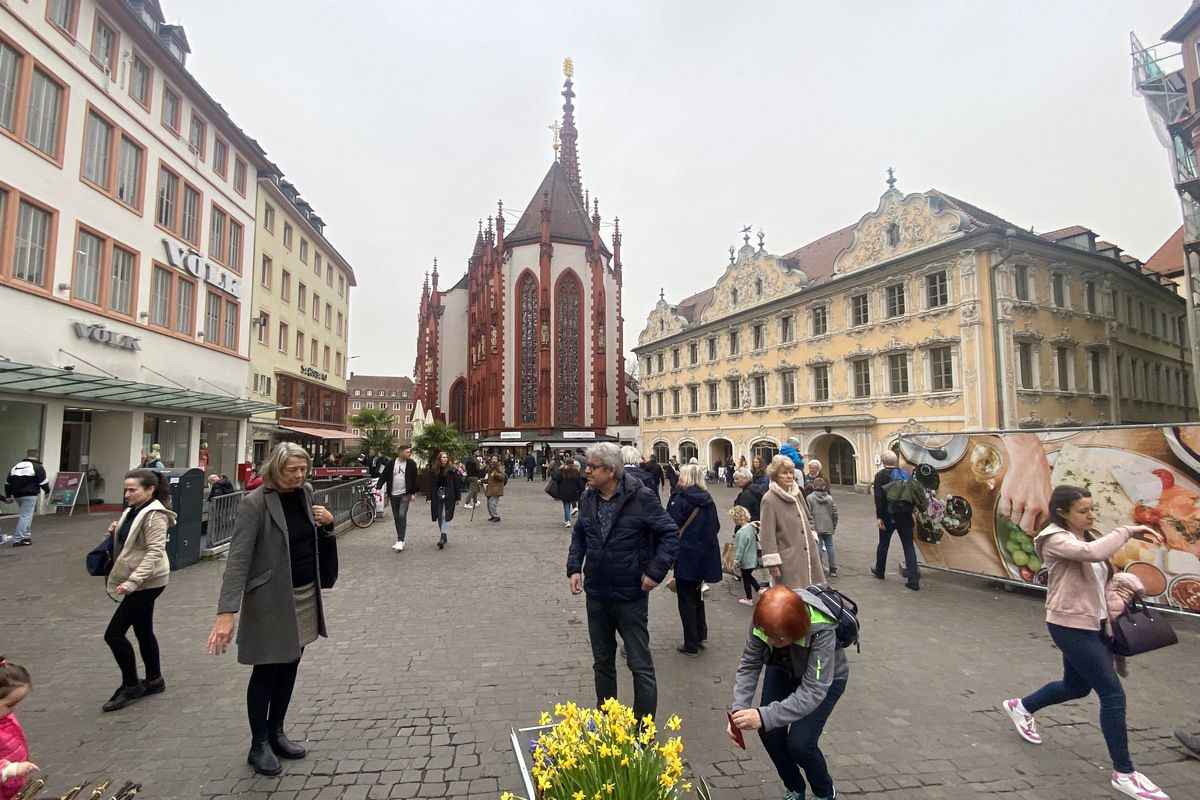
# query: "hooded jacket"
{"type": "Point", "coordinates": [26, 479]}
{"type": "Point", "coordinates": [1073, 595]}
{"type": "Point", "coordinates": [699, 556]}
{"type": "Point", "coordinates": [142, 560]}
{"type": "Point", "coordinates": [643, 540]}
{"type": "Point", "coordinates": [824, 511]}
{"type": "Point", "coordinates": [816, 660]}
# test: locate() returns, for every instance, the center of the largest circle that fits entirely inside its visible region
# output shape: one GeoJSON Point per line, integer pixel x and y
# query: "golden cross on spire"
{"type": "Point", "coordinates": [568, 67]}
{"type": "Point", "coordinates": [557, 128]}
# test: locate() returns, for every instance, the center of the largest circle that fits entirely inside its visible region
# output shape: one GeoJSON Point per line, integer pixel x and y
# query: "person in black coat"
{"type": "Point", "coordinates": [656, 472]}
{"type": "Point", "coordinates": [220, 485]}
{"type": "Point", "coordinates": [633, 466]}
{"type": "Point", "coordinates": [750, 494]}
{"type": "Point", "coordinates": [626, 542]}
{"type": "Point", "coordinates": [570, 487]}
{"type": "Point", "coordinates": [445, 489]}
{"type": "Point", "coordinates": [699, 558]}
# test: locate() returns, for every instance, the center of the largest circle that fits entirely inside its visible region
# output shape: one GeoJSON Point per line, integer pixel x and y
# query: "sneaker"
{"type": "Point", "coordinates": [746, 601]}
{"type": "Point", "coordinates": [704, 588]}
{"type": "Point", "coordinates": [1190, 741]}
{"type": "Point", "coordinates": [686, 652]}
{"type": "Point", "coordinates": [124, 696]}
{"type": "Point", "coordinates": [566, 524]}
{"type": "Point", "coordinates": [22, 542]}
{"type": "Point", "coordinates": [398, 546]}
{"type": "Point", "coordinates": [833, 573]}
{"type": "Point", "coordinates": [1135, 784]}
{"type": "Point", "coordinates": [1023, 721]}
{"type": "Point", "coordinates": [794, 796]}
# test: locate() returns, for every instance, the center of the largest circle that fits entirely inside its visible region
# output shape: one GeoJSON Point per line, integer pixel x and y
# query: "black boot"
{"type": "Point", "coordinates": [283, 746]}
{"type": "Point", "coordinates": [262, 758]}
{"type": "Point", "coordinates": [442, 542]}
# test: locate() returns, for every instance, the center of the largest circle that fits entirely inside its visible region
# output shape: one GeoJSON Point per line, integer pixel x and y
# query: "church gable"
{"type": "Point", "coordinates": [901, 224]}
{"type": "Point", "coordinates": [662, 321]}
{"type": "Point", "coordinates": [752, 278]}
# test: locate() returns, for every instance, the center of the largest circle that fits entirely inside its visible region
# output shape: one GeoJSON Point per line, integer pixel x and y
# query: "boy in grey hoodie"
{"type": "Point", "coordinates": [805, 675]}
{"type": "Point", "coordinates": [825, 516]}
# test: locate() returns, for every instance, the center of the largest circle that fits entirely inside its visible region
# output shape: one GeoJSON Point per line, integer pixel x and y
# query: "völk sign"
{"type": "Point", "coordinates": [309, 372]}
{"type": "Point", "coordinates": [191, 263]}
{"type": "Point", "coordinates": [101, 335]}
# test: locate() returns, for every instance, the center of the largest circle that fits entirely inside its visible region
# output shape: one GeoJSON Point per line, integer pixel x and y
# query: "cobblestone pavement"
{"type": "Point", "coordinates": [435, 654]}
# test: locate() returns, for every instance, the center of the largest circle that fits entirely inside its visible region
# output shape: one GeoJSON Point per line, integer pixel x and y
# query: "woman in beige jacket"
{"type": "Point", "coordinates": [1078, 575]}
{"type": "Point", "coordinates": [139, 575]}
{"type": "Point", "coordinates": [786, 535]}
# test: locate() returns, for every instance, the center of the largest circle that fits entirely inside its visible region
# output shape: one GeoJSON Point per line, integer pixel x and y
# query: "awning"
{"type": "Point", "coordinates": [319, 433]}
{"type": "Point", "coordinates": [49, 382]}
{"type": "Point", "coordinates": [501, 443]}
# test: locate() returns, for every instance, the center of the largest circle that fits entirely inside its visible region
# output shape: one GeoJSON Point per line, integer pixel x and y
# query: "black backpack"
{"type": "Point", "coordinates": [844, 611]}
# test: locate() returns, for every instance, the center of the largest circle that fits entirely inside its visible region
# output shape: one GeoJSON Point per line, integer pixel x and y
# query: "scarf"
{"type": "Point", "coordinates": [796, 498]}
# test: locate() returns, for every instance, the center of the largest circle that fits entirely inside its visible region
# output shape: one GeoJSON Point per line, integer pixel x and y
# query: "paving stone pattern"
{"type": "Point", "coordinates": [435, 655]}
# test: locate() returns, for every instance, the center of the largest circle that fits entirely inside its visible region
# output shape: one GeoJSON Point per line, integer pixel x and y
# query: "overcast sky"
{"type": "Point", "coordinates": [404, 122]}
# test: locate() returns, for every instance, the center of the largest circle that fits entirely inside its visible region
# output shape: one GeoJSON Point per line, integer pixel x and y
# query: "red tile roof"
{"type": "Point", "coordinates": [1168, 259]}
{"type": "Point", "coordinates": [1065, 233]}
{"type": "Point", "coordinates": [816, 258]}
{"type": "Point", "coordinates": [691, 308]}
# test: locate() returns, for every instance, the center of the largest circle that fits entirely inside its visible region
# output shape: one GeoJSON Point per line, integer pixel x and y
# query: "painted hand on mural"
{"type": "Point", "coordinates": [1025, 491]}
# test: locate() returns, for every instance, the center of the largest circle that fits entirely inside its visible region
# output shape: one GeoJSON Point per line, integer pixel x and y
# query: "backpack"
{"type": "Point", "coordinates": [844, 612]}
{"type": "Point", "coordinates": [905, 489]}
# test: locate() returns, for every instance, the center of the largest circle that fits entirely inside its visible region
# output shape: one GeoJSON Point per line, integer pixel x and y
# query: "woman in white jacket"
{"type": "Point", "coordinates": [139, 574]}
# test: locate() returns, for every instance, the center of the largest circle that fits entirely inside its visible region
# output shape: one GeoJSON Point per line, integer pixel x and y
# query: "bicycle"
{"type": "Point", "coordinates": [362, 511]}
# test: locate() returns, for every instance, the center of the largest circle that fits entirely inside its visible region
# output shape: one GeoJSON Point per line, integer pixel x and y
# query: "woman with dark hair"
{"type": "Point", "coordinates": [445, 489]}
{"type": "Point", "coordinates": [570, 487]}
{"type": "Point", "coordinates": [139, 574]}
{"type": "Point", "coordinates": [793, 645]}
{"type": "Point", "coordinates": [271, 578]}
{"type": "Point", "coordinates": [699, 558]}
{"type": "Point", "coordinates": [1076, 558]}
{"type": "Point", "coordinates": [758, 474]}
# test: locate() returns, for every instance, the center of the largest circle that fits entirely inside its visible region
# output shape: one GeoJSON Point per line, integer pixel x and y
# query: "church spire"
{"type": "Point", "coordinates": [569, 156]}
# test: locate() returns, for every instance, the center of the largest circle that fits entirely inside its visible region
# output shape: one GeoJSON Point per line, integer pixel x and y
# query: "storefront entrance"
{"type": "Point", "coordinates": [843, 468]}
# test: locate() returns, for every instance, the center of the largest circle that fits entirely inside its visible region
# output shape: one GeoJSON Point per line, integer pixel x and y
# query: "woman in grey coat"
{"type": "Point", "coordinates": [271, 577]}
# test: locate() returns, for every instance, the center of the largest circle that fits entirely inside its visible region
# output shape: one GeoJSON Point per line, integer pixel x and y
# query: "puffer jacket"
{"type": "Point", "coordinates": [699, 556]}
{"type": "Point", "coordinates": [12, 748]}
{"type": "Point", "coordinates": [817, 658]}
{"type": "Point", "coordinates": [143, 560]}
{"type": "Point", "coordinates": [643, 540]}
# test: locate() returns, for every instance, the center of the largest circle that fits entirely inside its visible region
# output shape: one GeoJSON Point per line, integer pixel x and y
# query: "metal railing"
{"type": "Point", "coordinates": [223, 511]}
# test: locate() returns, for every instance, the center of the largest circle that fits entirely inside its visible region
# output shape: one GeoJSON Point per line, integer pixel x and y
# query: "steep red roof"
{"type": "Point", "coordinates": [978, 216]}
{"type": "Point", "coordinates": [816, 258]}
{"type": "Point", "coordinates": [1168, 259]}
{"type": "Point", "coordinates": [691, 308]}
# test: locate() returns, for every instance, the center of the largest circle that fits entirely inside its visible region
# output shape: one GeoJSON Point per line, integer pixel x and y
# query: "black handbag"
{"type": "Point", "coordinates": [100, 559]}
{"type": "Point", "coordinates": [327, 559]}
{"type": "Point", "coordinates": [1140, 629]}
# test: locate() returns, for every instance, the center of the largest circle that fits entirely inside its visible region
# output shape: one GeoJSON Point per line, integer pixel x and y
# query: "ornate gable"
{"type": "Point", "coordinates": [752, 278]}
{"type": "Point", "coordinates": [900, 225]}
{"type": "Point", "coordinates": [662, 322]}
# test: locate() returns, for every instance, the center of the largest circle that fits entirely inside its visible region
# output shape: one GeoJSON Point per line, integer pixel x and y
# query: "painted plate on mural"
{"type": "Point", "coordinates": [939, 450]}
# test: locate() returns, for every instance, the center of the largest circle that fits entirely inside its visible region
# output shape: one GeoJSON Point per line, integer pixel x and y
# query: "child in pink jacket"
{"type": "Point", "coordinates": [14, 752]}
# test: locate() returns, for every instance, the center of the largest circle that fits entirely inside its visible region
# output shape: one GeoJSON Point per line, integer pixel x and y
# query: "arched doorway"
{"type": "Point", "coordinates": [719, 451]}
{"type": "Point", "coordinates": [764, 449]}
{"type": "Point", "coordinates": [662, 452]}
{"type": "Point", "coordinates": [842, 467]}
{"type": "Point", "coordinates": [688, 451]}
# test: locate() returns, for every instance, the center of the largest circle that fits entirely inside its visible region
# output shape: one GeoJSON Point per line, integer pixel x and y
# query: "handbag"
{"type": "Point", "coordinates": [728, 562]}
{"type": "Point", "coordinates": [1140, 629]}
{"type": "Point", "coordinates": [327, 560]}
{"type": "Point", "coordinates": [99, 559]}
{"type": "Point", "coordinates": [552, 488]}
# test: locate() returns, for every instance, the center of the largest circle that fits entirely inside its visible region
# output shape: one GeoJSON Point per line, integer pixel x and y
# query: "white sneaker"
{"type": "Point", "coordinates": [398, 546]}
{"type": "Point", "coordinates": [566, 524]}
{"type": "Point", "coordinates": [1024, 723]}
{"type": "Point", "coordinates": [1135, 784]}
{"type": "Point", "coordinates": [746, 601]}
{"type": "Point", "coordinates": [704, 587]}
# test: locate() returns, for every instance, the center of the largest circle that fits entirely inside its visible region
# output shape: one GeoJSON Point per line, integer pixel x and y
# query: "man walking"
{"type": "Point", "coordinates": [625, 542]}
{"type": "Point", "coordinates": [750, 495]}
{"type": "Point", "coordinates": [25, 480]}
{"type": "Point", "coordinates": [474, 474]}
{"type": "Point", "coordinates": [400, 478]}
{"type": "Point", "coordinates": [530, 465]}
{"type": "Point", "coordinates": [894, 517]}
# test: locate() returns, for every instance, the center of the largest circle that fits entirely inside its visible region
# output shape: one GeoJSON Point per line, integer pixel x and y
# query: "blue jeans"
{"type": "Point", "coordinates": [27, 506]}
{"type": "Point", "coordinates": [400, 513]}
{"type": "Point", "coordinates": [1087, 666]}
{"type": "Point", "coordinates": [443, 525]}
{"type": "Point", "coordinates": [796, 747]}
{"type": "Point", "coordinates": [568, 505]}
{"type": "Point", "coordinates": [605, 621]}
{"type": "Point", "coordinates": [826, 544]}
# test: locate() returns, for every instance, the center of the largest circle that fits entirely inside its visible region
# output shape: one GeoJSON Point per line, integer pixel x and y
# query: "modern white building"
{"type": "Point", "coordinates": [127, 208]}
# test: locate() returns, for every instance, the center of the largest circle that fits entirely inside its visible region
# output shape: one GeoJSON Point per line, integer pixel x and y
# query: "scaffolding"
{"type": "Point", "coordinates": [1158, 78]}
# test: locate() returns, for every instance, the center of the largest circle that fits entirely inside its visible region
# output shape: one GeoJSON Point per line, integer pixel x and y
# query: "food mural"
{"type": "Point", "coordinates": [988, 494]}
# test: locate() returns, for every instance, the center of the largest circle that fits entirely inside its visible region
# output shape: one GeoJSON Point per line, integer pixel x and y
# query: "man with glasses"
{"type": "Point", "coordinates": [626, 543]}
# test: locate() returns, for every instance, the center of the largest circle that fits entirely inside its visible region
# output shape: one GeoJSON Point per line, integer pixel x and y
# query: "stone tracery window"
{"type": "Point", "coordinates": [567, 379]}
{"type": "Point", "coordinates": [527, 344]}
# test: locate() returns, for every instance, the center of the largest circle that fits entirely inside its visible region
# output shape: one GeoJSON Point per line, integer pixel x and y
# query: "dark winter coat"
{"type": "Point", "coordinates": [221, 487]}
{"type": "Point", "coordinates": [699, 556]}
{"type": "Point", "coordinates": [570, 489]}
{"type": "Point", "coordinates": [453, 484]}
{"type": "Point", "coordinates": [750, 498]}
{"type": "Point", "coordinates": [643, 540]}
{"type": "Point", "coordinates": [641, 474]}
{"type": "Point", "coordinates": [655, 470]}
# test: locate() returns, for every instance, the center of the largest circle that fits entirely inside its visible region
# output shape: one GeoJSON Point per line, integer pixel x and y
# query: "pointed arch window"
{"type": "Point", "coordinates": [458, 404]}
{"type": "Point", "coordinates": [527, 344]}
{"type": "Point", "coordinates": [568, 386]}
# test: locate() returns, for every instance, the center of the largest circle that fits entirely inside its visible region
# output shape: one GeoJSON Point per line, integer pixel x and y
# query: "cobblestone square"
{"type": "Point", "coordinates": [435, 655]}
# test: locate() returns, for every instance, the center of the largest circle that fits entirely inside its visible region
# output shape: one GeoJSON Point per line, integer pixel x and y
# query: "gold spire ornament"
{"type": "Point", "coordinates": [568, 67]}
{"type": "Point", "coordinates": [557, 128]}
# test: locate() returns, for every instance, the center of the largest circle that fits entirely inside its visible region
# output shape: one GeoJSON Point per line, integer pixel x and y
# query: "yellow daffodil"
{"type": "Point", "coordinates": [672, 723]}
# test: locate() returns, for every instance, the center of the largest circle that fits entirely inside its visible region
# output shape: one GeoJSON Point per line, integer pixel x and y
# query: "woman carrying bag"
{"type": "Point", "coordinates": [445, 489]}
{"type": "Point", "coordinates": [271, 577]}
{"type": "Point", "coordinates": [570, 488]}
{"type": "Point", "coordinates": [140, 572]}
{"type": "Point", "coordinates": [699, 558]}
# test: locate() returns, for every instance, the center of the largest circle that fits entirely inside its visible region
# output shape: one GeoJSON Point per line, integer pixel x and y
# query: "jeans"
{"type": "Point", "coordinates": [493, 506]}
{"type": "Point", "coordinates": [136, 611]}
{"type": "Point", "coordinates": [1087, 666]}
{"type": "Point", "coordinates": [691, 614]}
{"type": "Point", "coordinates": [400, 513]}
{"type": "Point", "coordinates": [903, 525]}
{"type": "Point", "coordinates": [472, 491]}
{"type": "Point", "coordinates": [568, 506]}
{"type": "Point", "coordinates": [605, 620]}
{"type": "Point", "coordinates": [826, 544]}
{"type": "Point", "coordinates": [268, 695]}
{"type": "Point", "coordinates": [796, 747]}
{"type": "Point", "coordinates": [27, 506]}
{"type": "Point", "coordinates": [443, 525]}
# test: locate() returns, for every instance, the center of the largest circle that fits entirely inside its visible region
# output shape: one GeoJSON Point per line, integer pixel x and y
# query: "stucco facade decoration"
{"type": "Point", "coordinates": [927, 315]}
{"type": "Point", "coordinates": [530, 339]}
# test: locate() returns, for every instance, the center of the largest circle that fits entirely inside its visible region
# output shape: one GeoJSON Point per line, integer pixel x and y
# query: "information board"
{"type": "Point", "coordinates": [67, 486]}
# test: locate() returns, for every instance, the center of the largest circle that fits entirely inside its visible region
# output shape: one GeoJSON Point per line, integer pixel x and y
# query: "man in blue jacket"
{"type": "Point", "coordinates": [626, 543]}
